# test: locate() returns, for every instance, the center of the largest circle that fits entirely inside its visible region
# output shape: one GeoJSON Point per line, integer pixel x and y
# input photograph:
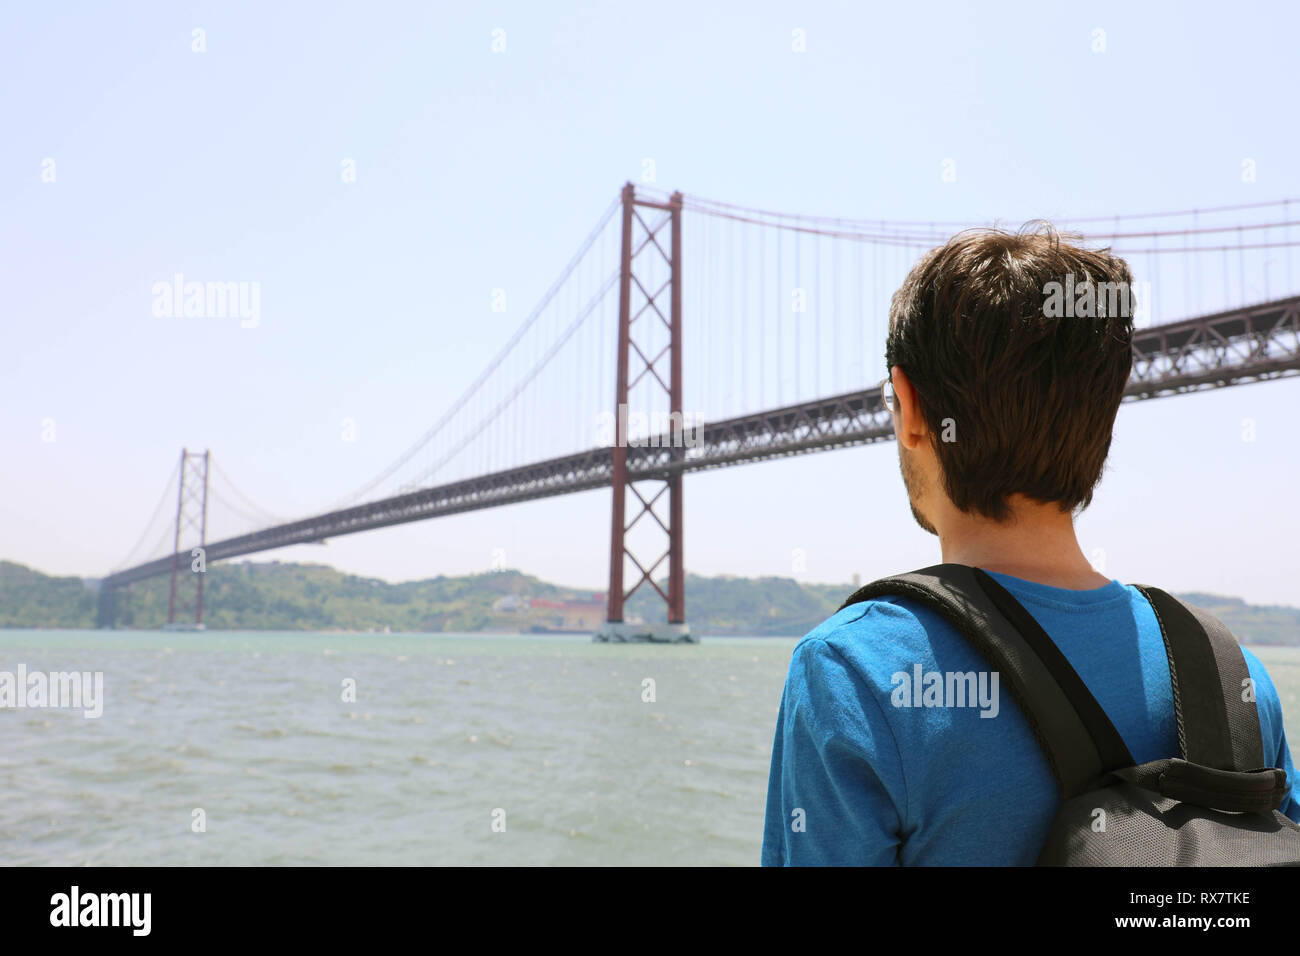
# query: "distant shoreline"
{"type": "Point", "coordinates": [294, 598]}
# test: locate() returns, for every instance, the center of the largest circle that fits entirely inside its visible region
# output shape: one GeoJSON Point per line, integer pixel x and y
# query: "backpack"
{"type": "Point", "coordinates": [1215, 805]}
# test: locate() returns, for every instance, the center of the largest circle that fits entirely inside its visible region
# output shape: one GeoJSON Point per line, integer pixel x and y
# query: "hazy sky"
{"type": "Point", "coordinates": [478, 169]}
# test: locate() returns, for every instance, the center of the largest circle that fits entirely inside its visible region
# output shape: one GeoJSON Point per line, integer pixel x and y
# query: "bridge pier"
{"type": "Point", "coordinates": [668, 468]}
{"type": "Point", "coordinates": [107, 607]}
{"type": "Point", "coordinates": [617, 632]}
{"type": "Point", "coordinates": [191, 496]}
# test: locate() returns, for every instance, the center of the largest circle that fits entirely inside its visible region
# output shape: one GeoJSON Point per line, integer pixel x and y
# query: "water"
{"type": "Point", "coordinates": [446, 731]}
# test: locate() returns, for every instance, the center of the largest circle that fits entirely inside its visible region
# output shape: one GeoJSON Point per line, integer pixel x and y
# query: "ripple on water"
{"type": "Point", "coordinates": [263, 732]}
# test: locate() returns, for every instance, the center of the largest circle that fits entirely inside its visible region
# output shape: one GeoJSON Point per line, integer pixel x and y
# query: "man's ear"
{"type": "Point", "coordinates": [909, 424]}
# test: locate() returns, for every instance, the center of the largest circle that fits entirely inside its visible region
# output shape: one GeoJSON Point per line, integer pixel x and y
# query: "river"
{"type": "Point", "coordinates": [239, 748]}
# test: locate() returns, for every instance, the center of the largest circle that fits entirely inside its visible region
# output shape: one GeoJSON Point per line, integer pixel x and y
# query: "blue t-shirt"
{"type": "Point", "coordinates": [863, 773]}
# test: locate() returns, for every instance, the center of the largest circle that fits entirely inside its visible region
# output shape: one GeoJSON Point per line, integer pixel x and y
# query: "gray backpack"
{"type": "Point", "coordinates": [1216, 805]}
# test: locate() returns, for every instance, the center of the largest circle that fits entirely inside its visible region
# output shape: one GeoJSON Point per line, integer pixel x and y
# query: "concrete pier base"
{"type": "Point", "coordinates": [617, 632]}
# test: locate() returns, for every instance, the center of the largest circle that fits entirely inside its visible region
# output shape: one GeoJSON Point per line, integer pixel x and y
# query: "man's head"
{"type": "Point", "coordinates": [1009, 353]}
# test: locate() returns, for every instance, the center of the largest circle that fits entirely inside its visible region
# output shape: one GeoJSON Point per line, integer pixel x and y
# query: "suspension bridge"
{"type": "Point", "coordinates": [689, 334]}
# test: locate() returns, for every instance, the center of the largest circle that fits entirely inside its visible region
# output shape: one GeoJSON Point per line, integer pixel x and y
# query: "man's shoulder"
{"type": "Point", "coordinates": [849, 624]}
{"type": "Point", "coordinates": [878, 636]}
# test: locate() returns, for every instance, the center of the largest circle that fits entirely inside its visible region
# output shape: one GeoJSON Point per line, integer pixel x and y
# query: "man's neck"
{"type": "Point", "coordinates": [1038, 544]}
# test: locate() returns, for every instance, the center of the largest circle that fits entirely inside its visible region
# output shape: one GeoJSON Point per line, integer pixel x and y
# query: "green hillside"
{"type": "Point", "coordinates": [31, 599]}
{"type": "Point", "coordinates": [284, 596]}
{"type": "Point", "coordinates": [749, 606]}
{"type": "Point", "coordinates": [279, 596]}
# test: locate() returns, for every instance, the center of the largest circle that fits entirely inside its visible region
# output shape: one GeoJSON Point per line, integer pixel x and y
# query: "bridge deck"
{"type": "Point", "coordinates": [1236, 347]}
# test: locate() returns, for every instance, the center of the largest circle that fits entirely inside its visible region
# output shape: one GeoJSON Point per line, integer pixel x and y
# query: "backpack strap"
{"type": "Point", "coordinates": [1112, 750]}
{"type": "Point", "coordinates": [1220, 729]}
{"type": "Point", "coordinates": [1074, 733]}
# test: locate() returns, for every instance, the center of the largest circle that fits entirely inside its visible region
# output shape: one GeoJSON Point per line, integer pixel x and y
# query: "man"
{"type": "Point", "coordinates": [1003, 404]}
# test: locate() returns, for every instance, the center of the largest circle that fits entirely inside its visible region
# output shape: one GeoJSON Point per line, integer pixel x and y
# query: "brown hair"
{"type": "Point", "coordinates": [1030, 389]}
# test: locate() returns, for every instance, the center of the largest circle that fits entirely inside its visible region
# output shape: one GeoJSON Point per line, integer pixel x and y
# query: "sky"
{"type": "Point", "coordinates": [486, 139]}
